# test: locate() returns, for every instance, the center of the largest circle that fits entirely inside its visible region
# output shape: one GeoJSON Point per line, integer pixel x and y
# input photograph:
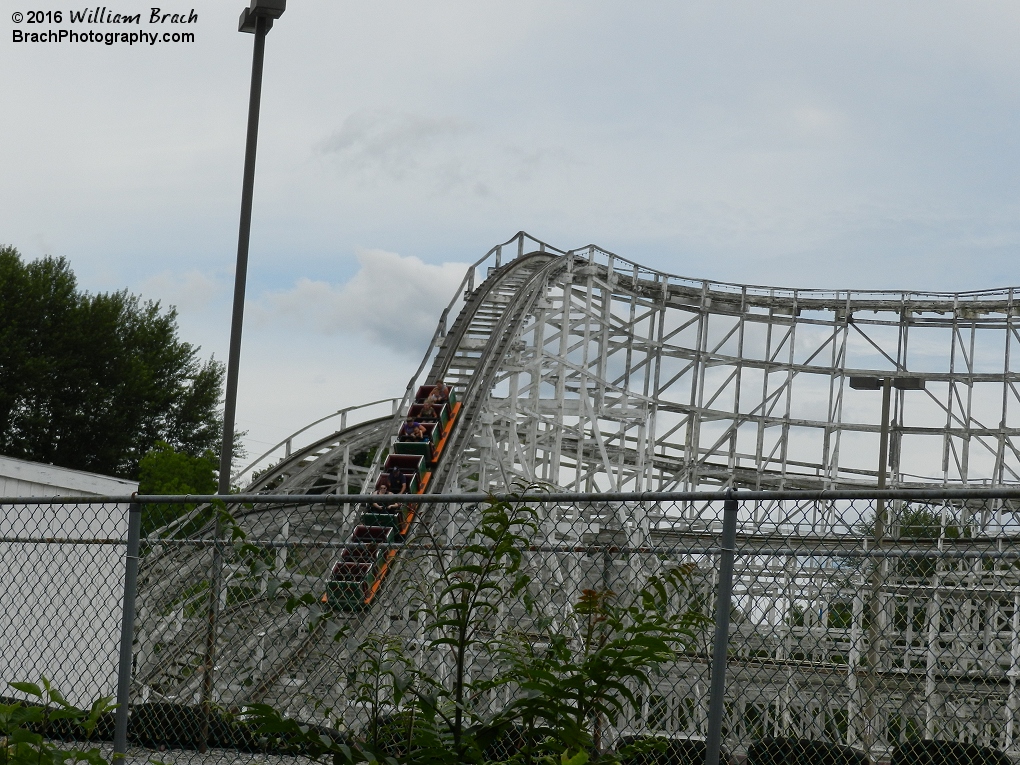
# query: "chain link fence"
{"type": "Point", "coordinates": [858, 626]}
{"type": "Point", "coordinates": [61, 595]}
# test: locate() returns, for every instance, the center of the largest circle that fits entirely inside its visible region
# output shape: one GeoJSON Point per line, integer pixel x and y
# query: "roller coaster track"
{"type": "Point", "coordinates": [468, 360]}
{"type": "Point", "coordinates": [589, 372]}
{"type": "Point", "coordinates": [486, 322]}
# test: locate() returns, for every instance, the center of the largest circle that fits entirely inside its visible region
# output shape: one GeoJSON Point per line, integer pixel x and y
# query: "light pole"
{"type": "Point", "coordinates": [885, 384]}
{"type": "Point", "coordinates": [256, 19]}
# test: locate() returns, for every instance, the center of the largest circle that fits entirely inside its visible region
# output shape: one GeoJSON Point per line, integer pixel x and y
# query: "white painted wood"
{"type": "Point", "coordinates": [34, 479]}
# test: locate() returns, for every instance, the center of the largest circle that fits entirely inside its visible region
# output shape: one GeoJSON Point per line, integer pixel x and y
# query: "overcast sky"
{"type": "Point", "coordinates": [850, 144]}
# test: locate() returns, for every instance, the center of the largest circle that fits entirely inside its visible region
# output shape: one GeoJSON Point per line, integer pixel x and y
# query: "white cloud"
{"type": "Point", "coordinates": [190, 291]}
{"type": "Point", "coordinates": [393, 144]}
{"type": "Point", "coordinates": [811, 120]}
{"type": "Point", "coordinates": [392, 300]}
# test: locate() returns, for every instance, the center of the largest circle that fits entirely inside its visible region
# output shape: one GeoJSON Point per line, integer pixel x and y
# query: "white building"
{"type": "Point", "coordinates": [61, 579]}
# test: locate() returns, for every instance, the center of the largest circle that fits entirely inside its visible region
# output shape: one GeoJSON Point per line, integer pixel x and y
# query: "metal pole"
{"type": "Point", "coordinates": [727, 550]}
{"type": "Point", "coordinates": [875, 604]}
{"type": "Point", "coordinates": [127, 631]}
{"type": "Point", "coordinates": [883, 444]}
{"type": "Point", "coordinates": [241, 271]}
{"type": "Point", "coordinates": [233, 362]}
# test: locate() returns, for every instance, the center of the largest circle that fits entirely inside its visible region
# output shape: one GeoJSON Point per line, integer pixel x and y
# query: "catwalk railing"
{"type": "Point", "coordinates": [861, 624]}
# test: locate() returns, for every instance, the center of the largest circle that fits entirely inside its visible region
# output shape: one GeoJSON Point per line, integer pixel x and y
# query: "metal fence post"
{"type": "Point", "coordinates": [713, 741]}
{"type": "Point", "coordinates": [127, 631]}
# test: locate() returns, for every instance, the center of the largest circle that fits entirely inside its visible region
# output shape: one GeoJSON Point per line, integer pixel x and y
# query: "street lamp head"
{"type": "Point", "coordinates": [271, 8]}
{"type": "Point", "coordinates": [908, 383]}
{"type": "Point", "coordinates": [266, 9]}
{"type": "Point", "coordinates": [865, 383]}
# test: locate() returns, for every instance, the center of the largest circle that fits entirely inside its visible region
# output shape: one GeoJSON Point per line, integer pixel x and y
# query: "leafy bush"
{"type": "Point", "coordinates": [660, 750]}
{"type": "Point", "coordinates": [564, 682]}
{"type": "Point", "coordinates": [29, 729]}
{"type": "Point", "coordinates": [925, 752]}
{"type": "Point", "coordinates": [802, 751]}
{"type": "Point", "coordinates": [176, 726]}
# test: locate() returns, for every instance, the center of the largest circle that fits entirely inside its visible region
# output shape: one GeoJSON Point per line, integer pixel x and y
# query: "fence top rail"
{"type": "Point", "coordinates": [984, 493]}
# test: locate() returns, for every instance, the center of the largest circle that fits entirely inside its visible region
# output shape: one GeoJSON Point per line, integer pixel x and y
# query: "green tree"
{"type": "Point", "coordinates": [165, 471]}
{"type": "Point", "coordinates": [92, 382]}
{"type": "Point", "coordinates": [920, 524]}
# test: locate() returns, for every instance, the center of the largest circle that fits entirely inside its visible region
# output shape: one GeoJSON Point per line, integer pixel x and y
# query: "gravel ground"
{"type": "Point", "coordinates": [140, 756]}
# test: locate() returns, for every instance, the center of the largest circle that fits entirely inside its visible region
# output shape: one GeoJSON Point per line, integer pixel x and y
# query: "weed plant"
{"type": "Point", "coordinates": [565, 681]}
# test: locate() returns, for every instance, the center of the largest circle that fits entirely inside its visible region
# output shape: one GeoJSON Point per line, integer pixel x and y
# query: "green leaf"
{"type": "Point", "coordinates": [578, 759]}
{"type": "Point", "coordinates": [29, 688]}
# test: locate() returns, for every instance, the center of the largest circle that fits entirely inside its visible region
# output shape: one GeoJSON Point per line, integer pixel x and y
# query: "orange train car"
{"type": "Point", "coordinates": [356, 577]}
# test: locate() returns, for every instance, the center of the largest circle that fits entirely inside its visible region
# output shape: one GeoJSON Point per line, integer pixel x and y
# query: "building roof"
{"type": "Point", "coordinates": [19, 478]}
